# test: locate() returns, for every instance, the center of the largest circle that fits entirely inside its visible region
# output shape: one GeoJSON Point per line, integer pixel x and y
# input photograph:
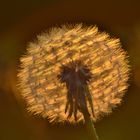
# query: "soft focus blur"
{"type": "Point", "coordinates": [21, 21]}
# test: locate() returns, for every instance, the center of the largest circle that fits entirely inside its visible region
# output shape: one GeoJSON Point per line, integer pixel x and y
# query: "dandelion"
{"type": "Point", "coordinates": [73, 73]}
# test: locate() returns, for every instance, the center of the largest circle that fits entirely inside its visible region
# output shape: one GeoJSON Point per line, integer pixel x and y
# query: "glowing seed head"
{"type": "Point", "coordinates": [71, 68]}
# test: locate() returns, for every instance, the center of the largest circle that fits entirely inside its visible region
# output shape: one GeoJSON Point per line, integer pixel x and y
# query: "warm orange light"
{"type": "Point", "coordinates": [104, 56]}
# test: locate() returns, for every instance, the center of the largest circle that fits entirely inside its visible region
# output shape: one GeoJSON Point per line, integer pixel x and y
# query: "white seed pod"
{"type": "Point", "coordinates": [104, 56]}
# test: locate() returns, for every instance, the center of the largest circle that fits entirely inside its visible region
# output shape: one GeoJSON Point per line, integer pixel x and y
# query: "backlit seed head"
{"type": "Point", "coordinates": [71, 68]}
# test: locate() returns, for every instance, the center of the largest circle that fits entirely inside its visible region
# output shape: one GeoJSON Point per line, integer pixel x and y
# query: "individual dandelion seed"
{"type": "Point", "coordinates": [71, 71]}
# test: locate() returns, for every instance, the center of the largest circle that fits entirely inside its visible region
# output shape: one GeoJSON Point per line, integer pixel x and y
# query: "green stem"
{"type": "Point", "coordinates": [90, 127]}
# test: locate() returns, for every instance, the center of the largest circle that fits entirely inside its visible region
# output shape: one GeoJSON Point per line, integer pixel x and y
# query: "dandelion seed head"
{"type": "Point", "coordinates": [104, 57]}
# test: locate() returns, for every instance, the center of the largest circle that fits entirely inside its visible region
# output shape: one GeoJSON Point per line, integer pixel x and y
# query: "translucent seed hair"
{"type": "Point", "coordinates": [40, 66]}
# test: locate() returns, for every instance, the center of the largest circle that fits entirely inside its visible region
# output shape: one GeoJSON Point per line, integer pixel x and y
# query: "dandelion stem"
{"type": "Point", "coordinates": [90, 127]}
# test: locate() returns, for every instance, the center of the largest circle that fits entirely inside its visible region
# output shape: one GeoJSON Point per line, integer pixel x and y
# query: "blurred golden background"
{"type": "Point", "coordinates": [20, 23]}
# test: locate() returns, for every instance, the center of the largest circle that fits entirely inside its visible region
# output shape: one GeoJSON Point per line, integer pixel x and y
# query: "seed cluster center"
{"type": "Point", "coordinates": [76, 76]}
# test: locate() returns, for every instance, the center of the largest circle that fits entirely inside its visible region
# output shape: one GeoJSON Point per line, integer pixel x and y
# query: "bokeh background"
{"type": "Point", "coordinates": [22, 20]}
